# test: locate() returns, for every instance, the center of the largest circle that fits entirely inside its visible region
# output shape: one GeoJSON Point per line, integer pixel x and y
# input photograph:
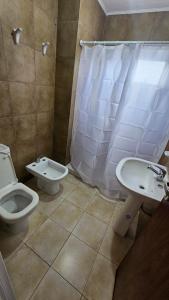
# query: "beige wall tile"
{"type": "Point", "coordinates": [7, 133]}
{"type": "Point", "coordinates": [26, 153]}
{"type": "Point", "coordinates": [3, 63]}
{"type": "Point", "coordinates": [25, 282]}
{"type": "Point", "coordinates": [44, 96]}
{"type": "Point", "coordinates": [45, 146]}
{"type": "Point", "coordinates": [18, 13]}
{"type": "Point", "coordinates": [45, 69]}
{"type": "Point", "coordinates": [66, 38]}
{"type": "Point", "coordinates": [45, 30]}
{"type": "Point", "coordinates": [44, 124]}
{"type": "Point", "coordinates": [64, 72]}
{"type": "Point", "coordinates": [50, 7]}
{"type": "Point", "coordinates": [91, 13]}
{"type": "Point", "coordinates": [22, 98]}
{"type": "Point", "coordinates": [68, 10]}
{"type": "Point", "coordinates": [147, 26]}
{"type": "Point", "coordinates": [5, 105]}
{"type": "Point", "coordinates": [25, 128]}
{"type": "Point", "coordinates": [53, 284]}
{"type": "Point", "coordinates": [75, 262]}
{"type": "Point", "coordinates": [62, 105]}
{"type": "Point", "coordinates": [160, 27]}
{"type": "Point", "coordinates": [20, 62]}
{"type": "Point", "coordinates": [27, 97]}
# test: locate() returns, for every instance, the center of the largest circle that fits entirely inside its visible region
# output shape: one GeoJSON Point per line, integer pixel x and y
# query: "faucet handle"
{"type": "Point", "coordinates": [162, 170]}
{"type": "Point", "coordinates": [166, 189]}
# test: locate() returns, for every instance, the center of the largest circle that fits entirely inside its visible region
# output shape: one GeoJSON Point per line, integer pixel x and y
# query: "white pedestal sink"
{"type": "Point", "coordinates": [142, 187]}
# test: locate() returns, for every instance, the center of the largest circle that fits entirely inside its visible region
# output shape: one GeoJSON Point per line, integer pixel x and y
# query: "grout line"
{"type": "Point", "coordinates": [38, 284]}
{"type": "Point", "coordinates": [37, 254]}
{"type": "Point", "coordinates": [67, 281]}
{"type": "Point", "coordinates": [61, 225]}
{"type": "Point", "coordinates": [34, 82]}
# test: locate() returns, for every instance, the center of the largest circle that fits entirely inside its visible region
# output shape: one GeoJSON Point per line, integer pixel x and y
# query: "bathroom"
{"type": "Point", "coordinates": [88, 234]}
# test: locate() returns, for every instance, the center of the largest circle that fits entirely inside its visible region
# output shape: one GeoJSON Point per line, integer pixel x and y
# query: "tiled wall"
{"type": "Point", "coordinates": [27, 79]}
{"type": "Point", "coordinates": [147, 26]}
{"type": "Point", "coordinates": [68, 15]}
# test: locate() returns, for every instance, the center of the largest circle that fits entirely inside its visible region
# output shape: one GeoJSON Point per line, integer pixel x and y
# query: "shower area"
{"type": "Point", "coordinates": [108, 118]}
{"type": "Point", "coordinates": [121, 109]}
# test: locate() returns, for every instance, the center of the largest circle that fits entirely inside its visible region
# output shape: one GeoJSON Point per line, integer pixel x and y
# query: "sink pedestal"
{"type": "Point", "coordinates": [128, 213]}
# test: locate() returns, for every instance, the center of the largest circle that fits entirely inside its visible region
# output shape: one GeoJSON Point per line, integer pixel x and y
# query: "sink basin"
{"type": "Point", "coordinates": [142, 187]}
{"type": "Point", "coordinates": [134, 175]}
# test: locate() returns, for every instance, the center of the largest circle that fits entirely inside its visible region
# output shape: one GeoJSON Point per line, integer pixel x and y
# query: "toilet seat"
{"type": "Point", "coordinates": [23, 191]}
{"type": "Point", "coordinates": [17, 201]}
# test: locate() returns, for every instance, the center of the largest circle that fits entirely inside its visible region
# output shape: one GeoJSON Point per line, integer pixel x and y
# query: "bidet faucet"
{"type": "Point", "coordinates": [38, 158]}
{"type": "Point", "coordinates": [159, 171]}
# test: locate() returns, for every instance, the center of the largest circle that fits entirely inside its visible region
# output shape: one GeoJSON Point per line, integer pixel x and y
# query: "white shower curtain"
{"type": "Point", "coordinates": [122, 110]}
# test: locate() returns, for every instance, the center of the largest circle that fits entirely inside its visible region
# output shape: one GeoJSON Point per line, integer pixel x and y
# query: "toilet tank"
{"type": "Point", "coordinates": [7, 171]}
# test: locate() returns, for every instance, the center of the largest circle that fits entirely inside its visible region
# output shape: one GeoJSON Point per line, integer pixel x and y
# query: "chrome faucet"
{"type": "Point", "coordinates": [159, 171]}
{"type": "Point", "coordinates": [38, 158]}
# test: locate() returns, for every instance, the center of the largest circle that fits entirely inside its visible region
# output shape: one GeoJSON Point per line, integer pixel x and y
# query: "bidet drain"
{"type": "Point", "coordinates": [142, 187]}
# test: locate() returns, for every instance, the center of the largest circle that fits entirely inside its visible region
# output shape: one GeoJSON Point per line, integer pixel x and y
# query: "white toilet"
{"type": "Point", "coordinates": [48, 173]}
{"type": "Point", "coordinates": [17, 201]}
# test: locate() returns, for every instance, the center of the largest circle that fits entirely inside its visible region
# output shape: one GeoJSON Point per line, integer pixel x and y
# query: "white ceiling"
{"type": "Point", "coordinates": [116, 7]}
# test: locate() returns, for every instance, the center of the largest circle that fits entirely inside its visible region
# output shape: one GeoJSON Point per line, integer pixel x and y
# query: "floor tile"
{"type": "Point", "coordinates": [87, 188]}
{"type": "Point", "coordinates": [101, 281]}
{"type": "Point", "coordinates": [53, 287]}
{"type": "Point", "coordinates": [72, 179]}
{"type": "Point", "coordinates": [114, 247]}
{"type": "Point", "coordinates": [9, 243]}
{"type": "Point", "coordinates": [48, 240]}
{"type": "Point", "coordinates": [67, 215]}
{"type": "Point", "coordinates": [48, 203]}
{"type": "Point", "coordinates": [101, 209]}
{"type": "Point", "coordinates": [80, 197]}
{"type": "Point", "coordinates": [117, 211]}
{"type": "Point", "coordinates": [90, 230]}
{"type": "Point", "coordinates": [35, 220]}
{"type": "Point", "coordinates": [67, 188]}
{"type": "Point", "coordinates": [74, 262]}
{"type": "Point", "coordinates": [26, 270]}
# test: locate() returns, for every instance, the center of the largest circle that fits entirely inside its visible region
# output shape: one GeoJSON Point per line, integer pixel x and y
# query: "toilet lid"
{"type": "Point", "coordinates": [7, 171]}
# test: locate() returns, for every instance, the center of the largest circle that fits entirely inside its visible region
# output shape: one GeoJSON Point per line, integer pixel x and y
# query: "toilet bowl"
{"type": "Point", "coordinates": [17, 201]}
{"type": "Point", "coordinates": [49, 174]}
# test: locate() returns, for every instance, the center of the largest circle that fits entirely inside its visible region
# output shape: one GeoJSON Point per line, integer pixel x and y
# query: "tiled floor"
{"type": "Point", "coordinates": [70, 251]}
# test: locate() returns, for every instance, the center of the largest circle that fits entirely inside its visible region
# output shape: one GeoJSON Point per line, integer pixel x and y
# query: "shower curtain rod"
{"type": "Point", "coordinates": [111, 43]}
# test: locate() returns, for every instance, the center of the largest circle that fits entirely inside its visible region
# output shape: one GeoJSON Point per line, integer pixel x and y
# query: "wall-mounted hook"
{"type": "Point", "coordinates": [45, 46]}
{"type": "Point", "coordinates": [16, 34]}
